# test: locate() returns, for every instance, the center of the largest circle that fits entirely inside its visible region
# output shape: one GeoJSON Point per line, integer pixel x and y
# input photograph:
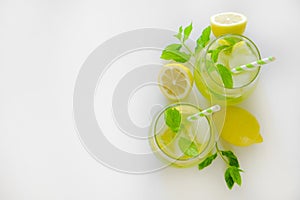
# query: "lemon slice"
{"type": "Point", "coordinates": [228, 22]}
{"type": "Point", "coordinates": [166, 137]}
{"type": "Point", "coordinates": [175, 81]}
{"type": "Point", "coordinates": [240, 128]}
{"type": "Point", "coordinates": [241, 48]}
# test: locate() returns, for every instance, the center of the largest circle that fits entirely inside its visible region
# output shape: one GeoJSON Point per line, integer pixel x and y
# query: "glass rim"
{"type": "Point", "coordinates": [162, 112]}
{"type": "Point", "coordinates": [235, 35]}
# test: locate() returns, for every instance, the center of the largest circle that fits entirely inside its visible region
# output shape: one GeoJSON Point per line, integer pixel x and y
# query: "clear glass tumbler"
{"type": "Point", "coordinates": [230, 51]}
{"type": "Point", "coordinates": [190, 145]}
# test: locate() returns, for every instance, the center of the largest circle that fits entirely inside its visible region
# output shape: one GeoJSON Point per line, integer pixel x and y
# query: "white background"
{"type": "Point", "coordinates": [42, 47]}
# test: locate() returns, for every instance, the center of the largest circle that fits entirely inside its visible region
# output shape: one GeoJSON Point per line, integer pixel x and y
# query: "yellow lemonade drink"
{"type": "Point", "coordinates": [213, 76]}
{"type": "Point", "coordinates": [189, 144]}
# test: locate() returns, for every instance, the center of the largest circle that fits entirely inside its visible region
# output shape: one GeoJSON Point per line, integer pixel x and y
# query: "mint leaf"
{"type": "Point", "coordinates": [177, 56]}
{"type": "Point", "coordinates": [232, 159]}
{"type": "Point", "coordinates": [179, 34]}
{"type": "Point", "coordinates": [235, 174]}
{"type": "Point", "coordinates": [188, 147]}
{"type": "Point", "coordinates": [229, 180]}
{"type": "Point", "coordinates": [215, 53]}
{"type": "Point", "coordinates": [187, 31]}
{"type": "Point", "coordinates": [207, 161]}
{"type": "Point", "coordinates": [172, 52]}
{"type": "Point", "coordinates": [203, 39]}
{"type": "Point", "coordinates": [173, 119]}
{"type": "Point", "coordinates": [173, 47]}
{"type": "Point", "coordinates": [232, 175]}
{"type": "Point", "coordinates": [225, 76]}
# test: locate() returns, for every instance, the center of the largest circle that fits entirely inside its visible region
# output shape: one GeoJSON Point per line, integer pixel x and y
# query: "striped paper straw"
{"type": "Point", "coordinates": [253, 65]}
{"type": "Point", "coordinates": [203, 113]}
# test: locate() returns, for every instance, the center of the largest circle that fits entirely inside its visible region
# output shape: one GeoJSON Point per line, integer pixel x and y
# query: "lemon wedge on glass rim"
{"type": "Point", "coordinates": [240, 127]}
{"type": "Point", "coordinates": [175, 81]}
{"type": "Point", "coordinates": [228, 22]}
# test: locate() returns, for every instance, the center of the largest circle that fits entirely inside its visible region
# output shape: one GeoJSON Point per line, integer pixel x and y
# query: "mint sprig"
{"type": "Point", "coordinates": [232, 174]}
{"type": "Point", "coordinates": [177, 54]}
{"type": "Point", "coordinates": [173, 119]}
{"type": "Point", "coordinates": [172, 52]}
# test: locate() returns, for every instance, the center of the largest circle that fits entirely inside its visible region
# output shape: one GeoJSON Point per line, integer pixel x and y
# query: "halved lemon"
{"type": "Point", "coordinates": [240, 128]}
{"type": "Point", "coordinates": [228, 22]}
{"type": "Point", "coordinates": [175, 81]}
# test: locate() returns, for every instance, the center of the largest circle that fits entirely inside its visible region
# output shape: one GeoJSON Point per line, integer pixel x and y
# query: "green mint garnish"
{"type": "Point", "coordinates": [175, 47]}
{"type": "Point", "coordinates": [232, 159]}
{"type": "Point", "coordinates": [226, 75]}
{"type": "Point", "coordinates": [188, 147]}
{"type": "Point", "coordinates": [172, 52]}
{"type": "Point", "coordinates": [207, 161]}
{"type": "Point", "coordinates": [228, 179]}
{"type": "Point", "coordinates": [203, 40]}
{"type": "Point", "coordinates": [232, 175]}
{"type": "Point", "coordinates": [187, 31]}
{"type": "Point", "coordinates": [173, 119]}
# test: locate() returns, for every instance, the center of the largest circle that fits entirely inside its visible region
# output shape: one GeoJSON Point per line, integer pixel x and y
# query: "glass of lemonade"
{"type": "Point", "coordinates": [190, 145]}
{"type": "Point", "coordinates": [229, 50]}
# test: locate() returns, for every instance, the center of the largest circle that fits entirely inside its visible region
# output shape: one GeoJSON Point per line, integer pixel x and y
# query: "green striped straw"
{"type": "Point", "coordinates": [253, 65]}
{"type": "Point", "coordinates": [205, 112]}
